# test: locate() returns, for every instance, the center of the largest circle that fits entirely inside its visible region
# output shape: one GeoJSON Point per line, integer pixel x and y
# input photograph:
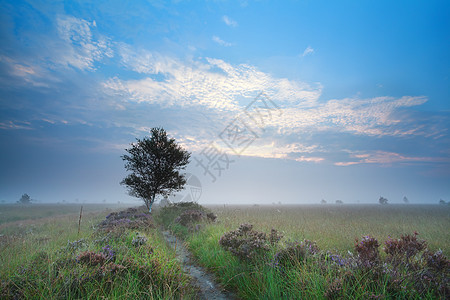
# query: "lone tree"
{"type": "Point", "coordinates": [25, 199]}
{"type": "Point", "coordinates": [405, 200]}
{"type": "Point", "coordinates": [155, 163]}
{"type": "Point", "coordinates": [383, 200]}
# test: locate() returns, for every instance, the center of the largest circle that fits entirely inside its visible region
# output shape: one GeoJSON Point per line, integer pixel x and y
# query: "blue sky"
{"type": "Point", "coordinates": [341, 100]}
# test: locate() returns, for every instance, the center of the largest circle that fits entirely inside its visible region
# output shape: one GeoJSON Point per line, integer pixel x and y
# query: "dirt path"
{"type": "Point", "coordinates": [204, 280]}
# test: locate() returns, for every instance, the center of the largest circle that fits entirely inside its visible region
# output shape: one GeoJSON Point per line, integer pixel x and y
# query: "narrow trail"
{"type": "Point", "coordinates": [204, 280]}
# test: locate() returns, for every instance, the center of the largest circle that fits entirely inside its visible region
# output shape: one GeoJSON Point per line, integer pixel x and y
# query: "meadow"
{"type": "Point", "coordinates": [311, 252]}
{"type": "Point", "coordinates": [337, 226]}
{"type": "Point", "coordinates": [257, 252]}
{"type": "Point", "coordinates": [115, 256]}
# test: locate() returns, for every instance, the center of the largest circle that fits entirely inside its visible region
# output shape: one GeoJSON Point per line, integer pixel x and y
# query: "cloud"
{"type": "Point", "coordinates": [24, 72]}
{"type": "Point", "coordinates": [370, 117]}
{"type": "Point", "coordinates": [221, 42]}
{"type": "Point", "coordinates": [220, 91]}
{"type": "Point", "coordinates": [81, 48]}
{"type": "Point", "coordinates": [210, 83]}
{"type": "Point", "coordinates": [388, 158]}
{"type": "Point", "coordinates": [230, 22]}
{"type": "Point", "coordinates": [196, 99]}
{"type": "Point", "coordinates": [307, 51]}
{"type": "Point", "coordinates": [15, 125]}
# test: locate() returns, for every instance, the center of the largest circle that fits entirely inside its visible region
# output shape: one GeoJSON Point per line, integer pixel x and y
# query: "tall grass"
{"type": "Point", "coordinates": [334, 228]}
{"type": "Point", "coordinates": [43, 259]}
{"type": "Point", "coordinates": [337, 226]}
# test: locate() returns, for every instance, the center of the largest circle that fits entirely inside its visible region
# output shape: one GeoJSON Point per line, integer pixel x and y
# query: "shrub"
{"type": "Point", "coordinates": [245, 243]}
{"type": "Point", "coordinates": [190, 217]}
{"type": "Point", "coordinates": [131, 218]}
{"type": "Point", "coordinates": [166, 215]}
{"type": "Point", "coordinates": [403, 249]}
{"type": "Point", "coordinates": [275, 236]}
{"type": "Point", "coordinates": [367, 250]}
{"type": "Point", "coordinates": [436, 273]}
{"type": "Point", "coordinates": [211, 217]}
{"type": "Point", "coordinates": [294, 254]}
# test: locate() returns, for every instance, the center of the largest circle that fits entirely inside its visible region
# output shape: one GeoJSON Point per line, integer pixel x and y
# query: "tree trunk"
{"type": "Point", "coordinates": [149, 206]}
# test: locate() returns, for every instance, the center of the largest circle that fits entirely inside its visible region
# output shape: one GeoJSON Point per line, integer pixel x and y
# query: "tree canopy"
{"type": "Point", "coordinates": [155, 163]}
{"type": "Point", "coordinates": [383, 200]}
{"type": "Point", "coordinates": [25, 199]}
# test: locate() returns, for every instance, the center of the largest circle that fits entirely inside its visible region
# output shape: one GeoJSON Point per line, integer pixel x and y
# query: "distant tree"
{"type": "Point", "coordinates": [339, 202]}
{"type": "Point", "coordinates": [323, 201]}
{"type": "Point", "coordinates": [155, 163]}
{"type": "Point", "coordinates": [25, 199]}
{"type": "Point", "coordinates": [383, 200]}
{"type": "Point", "coordinates": [442, 201]}
{"type": "Point", "coordinates": [405, 200]}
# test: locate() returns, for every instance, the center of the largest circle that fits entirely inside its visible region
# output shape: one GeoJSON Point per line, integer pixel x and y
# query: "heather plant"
{"type": "Point", "coordinates": [109, 253]}
{"type": "Point", "coordinates": [139, 240]}
{"type": "Point", "coordinates": [189, 217]}
{"type": "Point", "coordinates": [166, 215]}
{"type": "Point", "coordinates": [437, 271]}
{"type": "Point", "coordinates": [245, 243]}
{"type": "Point", "coordinates": [275, 236]}
{"type": "Point", "coordinates": [131, 218]}
{"type": "Point", "coordinates": [294, 254]}
{"type": "Point", "coordinates": [368, 253]}
{"type": "Point", "coordinates": [212, 217]}
{"type": "Point", "coordinates": [403, 249]}
{"type": "Point", "coordinates": [91, 258]}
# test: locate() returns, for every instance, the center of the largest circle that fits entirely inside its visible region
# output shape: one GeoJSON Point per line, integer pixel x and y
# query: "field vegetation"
{"type": "Point", "coordinates": [257, 252]}
{"type": "Point", "coordinates": [115, 255]}
{"type": "Point", "coordinates": [322, 252]}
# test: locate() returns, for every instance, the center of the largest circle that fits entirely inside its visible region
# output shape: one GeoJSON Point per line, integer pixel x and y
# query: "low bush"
{"type": "Point", "coordinates": [246, 243]}
{"type": "Point", "coordinates": [294, 254]}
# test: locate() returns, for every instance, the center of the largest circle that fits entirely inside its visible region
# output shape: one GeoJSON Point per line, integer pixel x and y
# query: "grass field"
{"type": "Point", "coordinates": [337, 226]}
{"type": "Point", "coordinates": [336, 269]}
{"type": "Point", "coordinates": [14, 212]}
{"type": "Point", "coordinates": [42, 255]}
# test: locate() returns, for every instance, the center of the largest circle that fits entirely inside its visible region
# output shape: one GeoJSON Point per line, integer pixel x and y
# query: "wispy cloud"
{"type": "Point", "coordinates": [308, 51]}
{"type": "Point", "coordinates": [211, 83]}
{"type": "Point", "coordinates": [221, 90]}
{"type": "Point", "coordinates": [221, 42]}
{"type": "Point", "coordinates": [82, 50]}
{"type": "Point", "coordinates": [388, 158]}
{"type": "Point", "coordinates": [15, 125]}
{"type": "Point", "coordinates": [230, 22]}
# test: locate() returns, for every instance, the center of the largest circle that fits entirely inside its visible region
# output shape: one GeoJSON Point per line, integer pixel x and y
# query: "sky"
{"type": "Point", "coordinates": [278, 101]}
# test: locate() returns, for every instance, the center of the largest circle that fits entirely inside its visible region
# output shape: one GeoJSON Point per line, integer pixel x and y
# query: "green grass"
{"type": "Point", "coordinates": [17, 212]}
{"type": "Point", "coordinates": [337, 226]}
{"type": "Point", "coordinates": [334, 228]}
{"type": "Point", "coordinates": [37, 262]}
